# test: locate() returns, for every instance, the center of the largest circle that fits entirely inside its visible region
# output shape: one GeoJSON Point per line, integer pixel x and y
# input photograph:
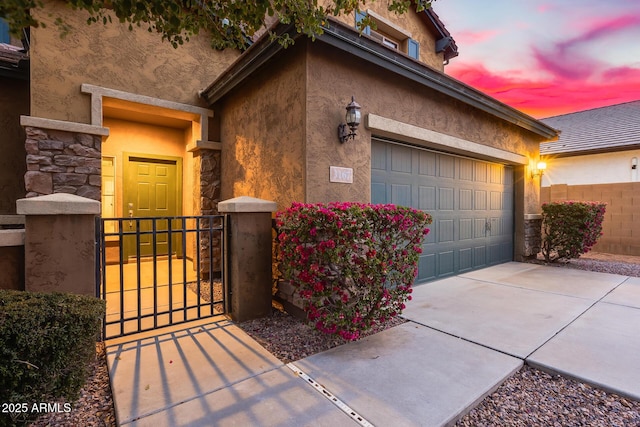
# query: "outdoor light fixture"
{"type": "Point", "coordinates": [353, 120]}
{"type": "Point", "coordinates": [539, 170]}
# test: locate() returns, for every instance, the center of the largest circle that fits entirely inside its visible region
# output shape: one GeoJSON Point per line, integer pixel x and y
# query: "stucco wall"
{"type": "Point", "coordinates": [14, 101]}
{"type": "Point", "coordinates": [579, 170]}
{"type": "Point", "coordinates": [262, 129]}
{"type": "Point", "coordinates": [621, 226]}
{"type": "Point", "coordinates": [331, 82]}
{"type": "Point", "coordinates": [149, 139]}
{"type": "Point", "coordinates": [114, 57]}
{"type": "Point", "coordinates": [410, 22]}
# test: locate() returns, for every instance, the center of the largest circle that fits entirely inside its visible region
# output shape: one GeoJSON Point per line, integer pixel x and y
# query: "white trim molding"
{"type": "Point", "coordinates": [390, 128]}
{"type": "Point", "coordinates": [39, 122]}
{"type": "Point", "coordinates": [147, 104]}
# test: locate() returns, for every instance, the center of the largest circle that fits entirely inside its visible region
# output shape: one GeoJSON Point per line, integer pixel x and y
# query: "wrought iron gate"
{"type": "Point", "coordinates": [160, 271]}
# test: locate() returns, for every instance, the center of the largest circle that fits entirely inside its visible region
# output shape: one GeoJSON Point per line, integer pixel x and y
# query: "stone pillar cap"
{"type": "Point", "coordinates": [247, 204]}
{"type": "Point", "coordinates": [58, 204]}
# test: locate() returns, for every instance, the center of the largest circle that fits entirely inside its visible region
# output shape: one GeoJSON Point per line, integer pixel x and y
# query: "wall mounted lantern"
{"type": "Point", "coordinates": [353, 120]}
{"type": "Point", "coordinates": [539, 169]}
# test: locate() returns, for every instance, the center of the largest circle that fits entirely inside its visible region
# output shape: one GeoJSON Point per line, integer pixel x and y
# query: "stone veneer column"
{"type": "Point", "coordinates": [63, 157]}
{"type": "Point", "coordinates": [59, 243]}
{"type": "Point", "coordinates": [249, 254]}
{"type": "Point", "coordinates": [532, 235]}
{"type": "Point", "coordinates": [209, 178]}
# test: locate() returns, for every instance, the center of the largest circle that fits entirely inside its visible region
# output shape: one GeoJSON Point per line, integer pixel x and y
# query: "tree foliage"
{"type": "Point", "coordinates": [229, 22]}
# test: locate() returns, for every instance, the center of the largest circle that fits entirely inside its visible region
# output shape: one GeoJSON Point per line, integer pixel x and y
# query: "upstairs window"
{"type": "Point", "coordinates": [389, 34]}
{"type": "Point", "coordinates": [5, 37]}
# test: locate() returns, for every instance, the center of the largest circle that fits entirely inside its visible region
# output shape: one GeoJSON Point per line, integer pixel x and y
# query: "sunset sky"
{"type": "Point", "coordinates": [547, 57]}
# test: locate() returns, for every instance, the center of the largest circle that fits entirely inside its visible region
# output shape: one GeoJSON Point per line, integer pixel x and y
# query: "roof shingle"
{"type": "Point", "coordinates": [612, 128]}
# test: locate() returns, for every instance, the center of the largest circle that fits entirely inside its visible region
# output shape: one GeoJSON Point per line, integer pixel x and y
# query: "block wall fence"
{"type": "Point", "coordinates": [621, 227]}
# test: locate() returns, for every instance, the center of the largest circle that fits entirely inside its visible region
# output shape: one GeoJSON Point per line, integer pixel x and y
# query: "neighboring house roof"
{"type": "Point", "coordinates": [346, 39]}
{"type": "Point", "coordinates": [13, 62]}
{"type": "Point", "coordinates": [604, 129]}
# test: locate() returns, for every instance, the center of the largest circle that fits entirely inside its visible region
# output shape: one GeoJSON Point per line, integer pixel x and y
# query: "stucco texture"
{"type": "Point", "coordinates": [14, 101]}
{"type": "Point", "coordinates": [112, 56]}
{"type": "Point", "coordinates": [333, 78]}
{"type": "Point", "coordinates": [263, 133]}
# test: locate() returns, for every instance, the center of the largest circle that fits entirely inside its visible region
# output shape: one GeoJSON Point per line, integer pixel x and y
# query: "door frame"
{"type": "Point", "coordinates": [126, 190]}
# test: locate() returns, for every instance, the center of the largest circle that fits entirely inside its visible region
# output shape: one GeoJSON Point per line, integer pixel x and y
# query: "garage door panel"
{"type": "Point", "coordinates": [480, 200]}
{"type": "Point", "coordinates": [427, 163]}
{"type": "Point", "coordinates": [401, 194]}
{"type": "Point", "coordinates": [479, 256]}
{"type": "Point", "coordinates": [466, 169]}
{"type": "Point", "coordinates": [445, 230]}
{"type": "Point", "coordinates": [466, 229]}
{"type": "Point", "coordinates": [401, 159]}
{"type": "Point", "coordinates": [496, 201]}
{"type": "Point", "coordinates": [446, 198]}
{"type": "Point", "coordinates": [466, 199]}
{"type": "Point", "coordinates": [427, 198]}
{"type": "Point", "coordinates": [507, 201]}
{"type": "Point", "coordinates": [466, 260]}
{"type": "Point", "coordinates": [479, 228]}
{"type": "Point", "coordinates": [446, 167]}
{"type": "Point", "coordinates": [427, 267]}
{"type": "Point", "coordinates": [496, 174]}
{"type": "Point", "coordinates": [378, 156]}
{"type": "Point", "coordinates": [378, 192]}
{"type": "Point", "coordinates": [481, 172]}
{"type": "Point", "coordinates": [445, 261]}
{"type": "Point", "coordinates": [495, 253]}
{"type": "Point", "coordinates": [471, 206]}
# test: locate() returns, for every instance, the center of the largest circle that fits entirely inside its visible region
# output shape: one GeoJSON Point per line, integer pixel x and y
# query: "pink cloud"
{"type": "Point", "coordinates": [553, 96]}
{"type": "Point", "coordinates": [600, 27]}
{"type": "Point", "coordinates": [564, 59]}
{"type": "Point", "coordinates": [472, 37]}
{"type": "Point", "coordinates": [542, 8]}
{"type": "Point", "coordinates": [558, 62]}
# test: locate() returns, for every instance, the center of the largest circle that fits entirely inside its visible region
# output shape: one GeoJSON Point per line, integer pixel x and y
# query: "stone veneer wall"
{"type": "Point", "coordinates": [62, 162]}
{"type": "Point", "coordinates": [210, 172]}
{"type": "Point", "coordinates": [532, 236]}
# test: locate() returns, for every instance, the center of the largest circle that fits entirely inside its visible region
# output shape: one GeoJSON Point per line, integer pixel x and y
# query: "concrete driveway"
{"type": "Point", "coordinates": [465, 336]}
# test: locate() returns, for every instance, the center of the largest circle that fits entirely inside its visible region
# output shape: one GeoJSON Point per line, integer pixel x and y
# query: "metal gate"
{"type": "Point", "coordinates": [160, 271]}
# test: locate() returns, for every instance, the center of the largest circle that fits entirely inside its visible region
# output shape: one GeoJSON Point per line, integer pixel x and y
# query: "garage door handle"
{"type": "Point", "coordinates": [487, 225]}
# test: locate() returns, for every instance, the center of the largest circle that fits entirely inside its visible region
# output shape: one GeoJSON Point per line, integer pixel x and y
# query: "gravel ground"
{"type": "Point", "coordinates": [95, 406]}
{"type": "Point", "coordinates": [529, 398]}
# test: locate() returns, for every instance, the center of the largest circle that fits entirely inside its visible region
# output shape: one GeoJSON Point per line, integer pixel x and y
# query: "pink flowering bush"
{"type": "Point", "coordinates": [570, 229]}
{"type": "Point", "coordinates": [353, 264]}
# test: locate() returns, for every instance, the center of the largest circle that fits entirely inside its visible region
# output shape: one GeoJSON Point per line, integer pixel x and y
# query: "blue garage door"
{"type": "Point", "coordinates": [471, 202]}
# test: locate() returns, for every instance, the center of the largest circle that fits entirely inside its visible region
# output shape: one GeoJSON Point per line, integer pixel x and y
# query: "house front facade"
{"type": "Point", "coordinates": [149, 130]}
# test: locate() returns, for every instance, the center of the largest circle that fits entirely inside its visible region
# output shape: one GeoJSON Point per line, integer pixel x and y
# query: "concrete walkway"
{"type": "Point", "coordinates": [465, 336]}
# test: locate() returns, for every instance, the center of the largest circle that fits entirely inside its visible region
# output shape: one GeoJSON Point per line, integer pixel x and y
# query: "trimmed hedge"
{"type": "Point", "coordinates": [570, 228]}
{"type": "Point", "coordinates": [47, 341]}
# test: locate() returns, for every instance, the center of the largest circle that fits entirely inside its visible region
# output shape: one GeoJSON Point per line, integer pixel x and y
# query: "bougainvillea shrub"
{"type": "Point", "coordinates": [353, 264]}
{"type": "Point", "coordinates": [570, 229]}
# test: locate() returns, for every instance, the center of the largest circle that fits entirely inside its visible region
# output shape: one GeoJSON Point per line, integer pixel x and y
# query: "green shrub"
{"type": "Point", "coordinates": [570, 228]}
{"type": "Point", "coordinates": [47, 341]}
{"type": "Point", "coordinates": [353, 264]}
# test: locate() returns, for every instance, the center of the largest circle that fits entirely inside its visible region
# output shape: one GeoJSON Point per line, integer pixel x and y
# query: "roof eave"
{"type": "Point", "coordinates": [348, 40]}
{"type": "Point", "coordinates": [612, 149]}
